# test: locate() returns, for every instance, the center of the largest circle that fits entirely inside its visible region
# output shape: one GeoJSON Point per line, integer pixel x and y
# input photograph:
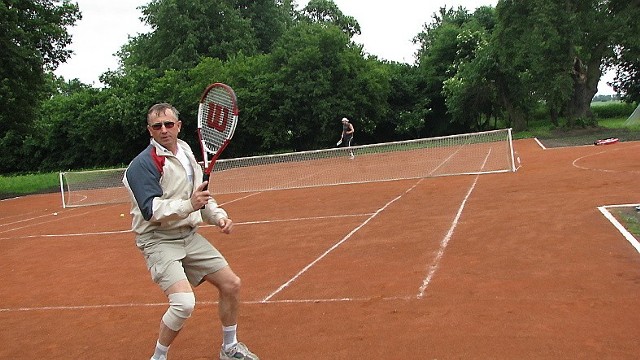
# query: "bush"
{"type": "Point", "coordinates": [613, 109]}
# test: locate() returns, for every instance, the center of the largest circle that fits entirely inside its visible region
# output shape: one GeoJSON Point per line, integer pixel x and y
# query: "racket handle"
{"type": "Point", "coordinates": [205, 177]}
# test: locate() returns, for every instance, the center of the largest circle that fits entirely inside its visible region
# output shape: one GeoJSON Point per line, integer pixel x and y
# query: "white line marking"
{"type": "Point", "coordinates": [575, 162]}
{"type": "Point", "coordinates": [627, 235]}
{"type": "Point", "coordinates": [335, 246]}
{"type": "Point", "coordinates": [27, 220]}
{"type": "Point", "coordinates": [66, 235]}
{"type": "Point", "coordinates": [240, 198]}
{"type": "Point", "coordinates": [201, 226]}
{"type": "Point", "coordinates": [445, 241]}
{"type": "Point", "coordinates": [53, 218]}
{"type": "Point", "coordinates": [443, 244]}
{"type": "Point", "coordinates": [202, 303]}
{"type": "Point", "coordinates": [300, 219]}
{"type": "Point", "coordinates": [79, 307]}
{"type": "Point", "coordinates": [13, 198]}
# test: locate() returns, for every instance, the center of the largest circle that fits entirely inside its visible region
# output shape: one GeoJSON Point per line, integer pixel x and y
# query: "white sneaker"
{"type": "Point", "coordinates": [239, 351]}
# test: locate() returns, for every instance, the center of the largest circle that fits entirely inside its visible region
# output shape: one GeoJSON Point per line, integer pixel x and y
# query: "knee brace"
{"type": "Point", "coordinates": [181, 306]}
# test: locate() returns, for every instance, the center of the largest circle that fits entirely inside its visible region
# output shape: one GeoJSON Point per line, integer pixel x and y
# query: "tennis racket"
{"type": "Point", "coordinates": [339, 142]}
{"type": "Point", "coordinates": [217, 120]}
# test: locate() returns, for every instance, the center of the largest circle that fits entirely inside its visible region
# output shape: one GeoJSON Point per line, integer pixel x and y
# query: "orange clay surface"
{"type": "Point", "coordinates": [503, 266]}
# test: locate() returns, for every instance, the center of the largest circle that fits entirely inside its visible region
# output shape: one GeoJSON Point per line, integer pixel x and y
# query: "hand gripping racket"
{"type": "Point", "coordinates": [217, 120]}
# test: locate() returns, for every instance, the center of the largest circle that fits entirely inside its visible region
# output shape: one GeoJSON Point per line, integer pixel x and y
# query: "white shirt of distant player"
{"type": "Point", "coordinates": [184, 160]}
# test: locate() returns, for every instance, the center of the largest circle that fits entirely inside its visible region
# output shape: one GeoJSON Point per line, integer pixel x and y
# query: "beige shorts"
{"type": "Point", "coordinates": [177, 255]}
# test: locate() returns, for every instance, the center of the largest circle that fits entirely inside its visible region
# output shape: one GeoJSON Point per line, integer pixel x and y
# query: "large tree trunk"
{"type": "Point", "coordinates": [516, 116]}
{"type": "Point", "coordinates": [585, 86]}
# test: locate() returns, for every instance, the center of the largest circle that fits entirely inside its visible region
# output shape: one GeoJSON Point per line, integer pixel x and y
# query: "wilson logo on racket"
{"type": "Point", "coordinates": [217, 120]}
{"type": "Point", "coordinates": [218, 117]}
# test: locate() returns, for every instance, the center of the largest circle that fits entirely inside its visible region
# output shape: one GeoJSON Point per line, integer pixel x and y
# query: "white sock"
{"type": "Point", "coordinates": [229, 336]}
{"type": "Point", "coordinates": [161, 350]}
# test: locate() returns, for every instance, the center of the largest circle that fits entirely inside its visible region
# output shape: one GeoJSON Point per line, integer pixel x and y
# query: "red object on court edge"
{"type": "Point", "coordinates": [606, 141]}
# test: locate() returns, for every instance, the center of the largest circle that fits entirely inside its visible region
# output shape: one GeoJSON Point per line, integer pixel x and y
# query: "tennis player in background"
{"type": "Point", "coordinates": [168, 202]}
{"type": "Point", "coordinates": [347, 135]}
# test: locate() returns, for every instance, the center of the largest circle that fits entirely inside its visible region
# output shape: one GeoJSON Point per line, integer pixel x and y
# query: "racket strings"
{"type": "Point", "coordinates": [214, 138]}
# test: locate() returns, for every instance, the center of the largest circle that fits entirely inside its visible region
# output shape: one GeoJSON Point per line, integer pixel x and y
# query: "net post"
{"type": "Point", "coordinates": [510, 139]}
{"type": "Point", "coordinates": [61, 175]}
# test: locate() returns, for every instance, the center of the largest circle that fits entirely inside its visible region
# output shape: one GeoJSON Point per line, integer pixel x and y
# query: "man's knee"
{"type": "Point", "coordinates": [231, 286]}
{"type": "Point", "coordinates": [181, 305]}
{"type": "Point", "coordinates": [227, 282]}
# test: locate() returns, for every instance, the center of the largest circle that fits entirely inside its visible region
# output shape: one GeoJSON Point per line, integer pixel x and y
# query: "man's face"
{"type": "Point", "coordinates": [164, 128]}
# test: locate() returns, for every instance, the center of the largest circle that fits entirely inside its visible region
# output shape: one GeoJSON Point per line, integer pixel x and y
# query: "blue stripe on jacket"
{"type": "Point", "coordinates": [143, 176]}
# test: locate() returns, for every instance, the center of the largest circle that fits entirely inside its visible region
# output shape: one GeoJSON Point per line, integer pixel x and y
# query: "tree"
{"type": "Point", "coordinates": [558, 49]}
{"type": "Point", "coordinates": [627, 57]}
{"type": "Point", "coordinates": [516, 47]}
{"type": "Point", "coordinates": [471, 94]}
{"type": "Point", "coordinates": [313, 78]}
{"type": "Point", "coordinates": [185, 31]}
{"type": "Point", "coordinates": [439, 57]}
{"type": "Point", "coordinates": [327, 12]}
{"type": "Point", "coordinates": [33, 39]}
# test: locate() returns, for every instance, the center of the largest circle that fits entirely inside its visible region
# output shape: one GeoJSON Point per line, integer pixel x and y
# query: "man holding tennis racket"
{"type": "Point", "coordinates": [168, 201]}
{"type": "Point", "coordinates": [347, 135]}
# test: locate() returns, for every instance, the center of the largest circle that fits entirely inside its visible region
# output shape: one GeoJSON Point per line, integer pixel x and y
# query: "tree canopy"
{"type": "Point", "coordinates": [33, 39]}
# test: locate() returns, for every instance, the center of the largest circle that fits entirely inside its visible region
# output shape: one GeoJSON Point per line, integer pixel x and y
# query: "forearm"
{"type": "Point", "coordinates": [171, 209]}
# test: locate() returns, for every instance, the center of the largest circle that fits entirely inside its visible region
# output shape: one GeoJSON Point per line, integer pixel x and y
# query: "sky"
{"type": "Point", "coordinates": [387, 29]}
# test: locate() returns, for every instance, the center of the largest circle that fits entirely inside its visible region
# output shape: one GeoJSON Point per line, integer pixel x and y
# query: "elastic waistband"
{"type": "Point", "coordinates": [165, 234]}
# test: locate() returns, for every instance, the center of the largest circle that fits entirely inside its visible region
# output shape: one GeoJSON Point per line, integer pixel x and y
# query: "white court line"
{"type": "Point", "coordinates": [443, 244]}
{"type": "Point", "coordinates": [13, 198]}
{"type": "Point", "coordinates": [238, 199]}
{"type": "Point", "coordinates": [627, 235]}
{"type": "Point", "coordinates": [575, 162]}
{"type": "Point", "coordinates": [200, 303]}
{"type": "Point", "coordinates": [66, 235]}
{"type": "Point", "coordinates": [540, 144]}
{"type": "Point", "coordinates": [201, 226]}
{"type": "Point", "coordinates": [298, 219]}
{"type": "Point", "coordinates": [53, 218]}
{"type": "Point", "coordinates": [28, 219]}
{"type": "Point", "coordinates": [335, 246]}
{"type": "Point", "coordinates": [445, 241]}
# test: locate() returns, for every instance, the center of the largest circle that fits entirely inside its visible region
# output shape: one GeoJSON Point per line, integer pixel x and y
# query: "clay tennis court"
{"type": "Point", "coordinates": [499, 266]}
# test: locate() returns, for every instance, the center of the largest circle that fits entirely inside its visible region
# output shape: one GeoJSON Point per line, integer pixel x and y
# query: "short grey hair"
{"type": "Point", "coordinates": [161, 109]}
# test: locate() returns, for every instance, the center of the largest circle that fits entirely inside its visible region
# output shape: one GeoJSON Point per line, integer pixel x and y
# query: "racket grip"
{"type": "Point", "coordinates": [205, 177]}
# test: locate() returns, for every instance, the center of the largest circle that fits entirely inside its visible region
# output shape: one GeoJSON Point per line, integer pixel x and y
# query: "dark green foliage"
{"type": "Point", "coordinates": [613, 110]}
{"type": "Point", "coordinates": [33, 40]}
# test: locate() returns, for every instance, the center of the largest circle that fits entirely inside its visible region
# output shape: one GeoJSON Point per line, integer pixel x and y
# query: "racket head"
{"type": "Point", "coordinates": [217, 121]}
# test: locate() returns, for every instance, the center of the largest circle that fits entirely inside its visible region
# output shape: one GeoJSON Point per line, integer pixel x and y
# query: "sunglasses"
{"type": "Point", "coordinates": [167, 124]}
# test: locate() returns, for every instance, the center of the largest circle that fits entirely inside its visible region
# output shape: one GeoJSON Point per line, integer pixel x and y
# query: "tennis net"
{"type": "Point", "coordinates": [474, 153]}
{"type": "Point", "coordinates": [92, 187]}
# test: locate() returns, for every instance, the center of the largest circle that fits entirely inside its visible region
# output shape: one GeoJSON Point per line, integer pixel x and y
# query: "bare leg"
{"type": "Point", "coordinates": [228, 284]}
